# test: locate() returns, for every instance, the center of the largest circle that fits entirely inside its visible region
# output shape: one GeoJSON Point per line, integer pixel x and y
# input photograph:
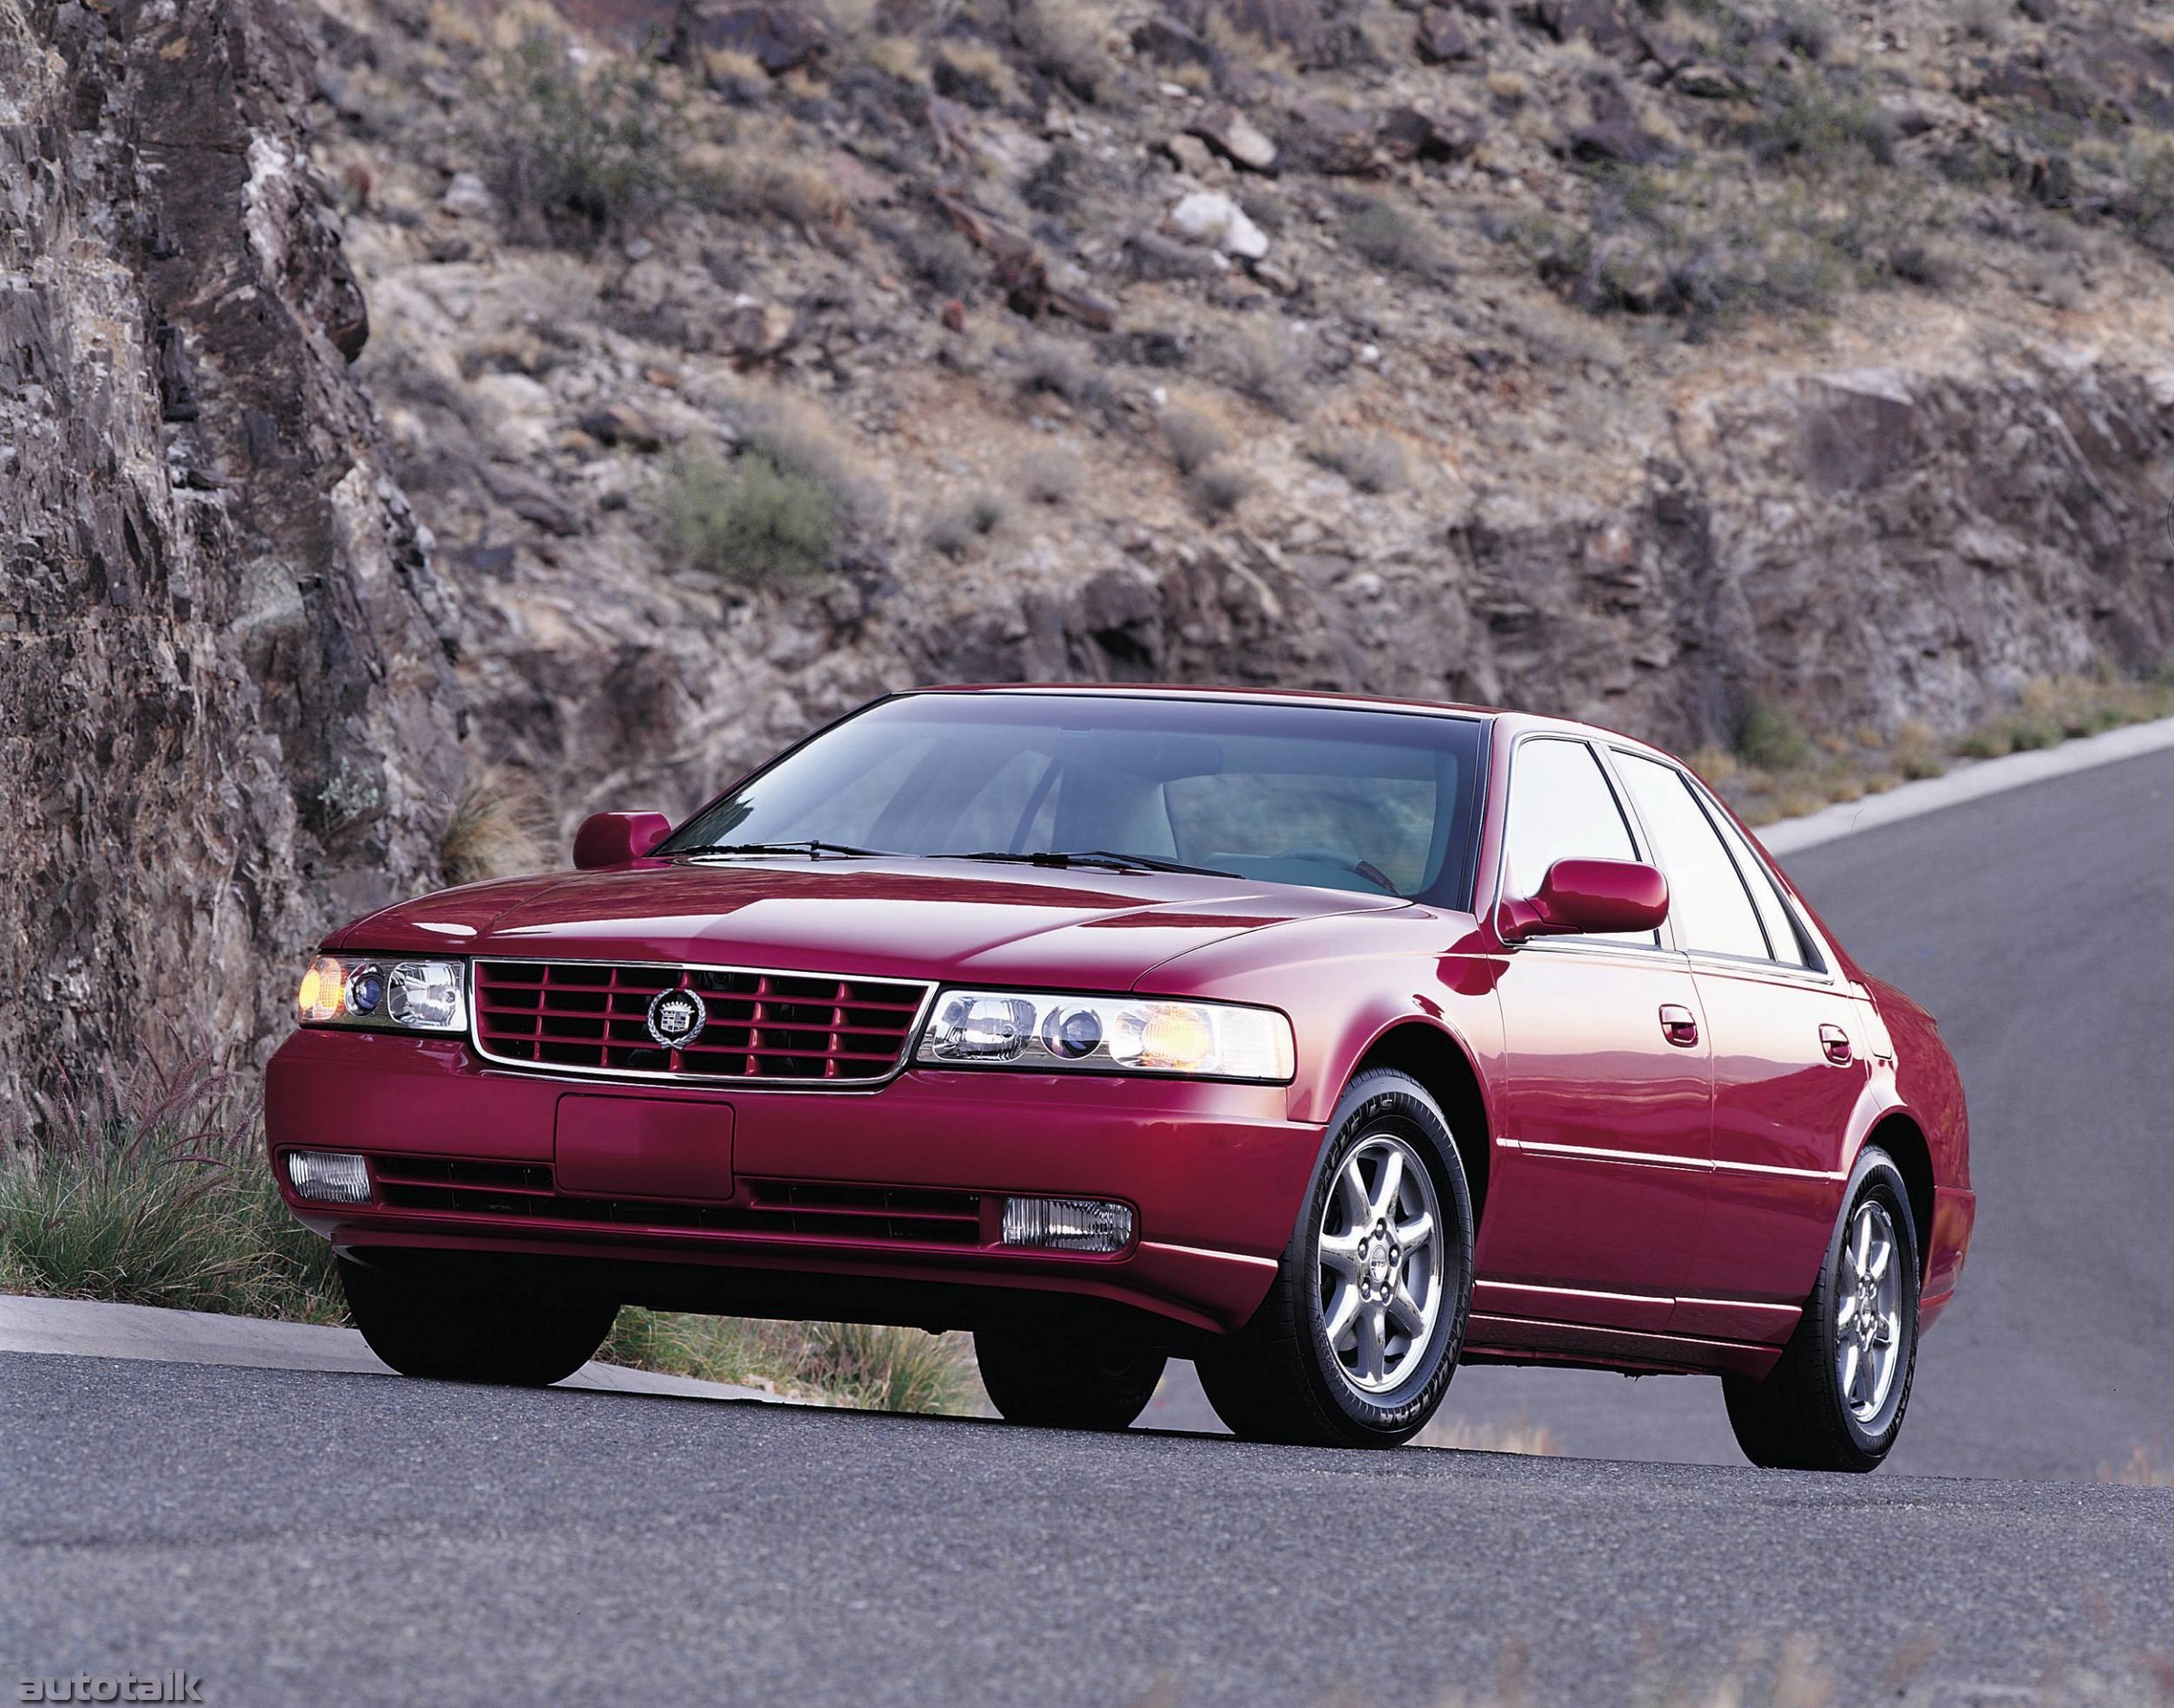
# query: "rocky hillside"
{"type": "Point", "coordinates": [1672, 364]}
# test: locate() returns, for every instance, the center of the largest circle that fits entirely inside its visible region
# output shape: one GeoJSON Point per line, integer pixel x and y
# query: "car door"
{"type": "Point", "coordinates": [1789, 1062]}
{"type": "Point", "coordinates": [1598, 1206]}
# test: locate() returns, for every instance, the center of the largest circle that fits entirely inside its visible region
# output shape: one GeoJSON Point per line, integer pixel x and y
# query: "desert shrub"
{"type": "Point", "coordinates": [1194, 438]}
{"type": "Point", "coordinates": [1371, 461]}
{"type": "Point", "coordinates": [1771, 738]}
{"type": "Point", "coordinates": [1062, 40]}
{"type": "Point", "coordinates": [955, 528]}
{"type": "Point", "coordinates": [151, 1188]}
{"type": "Point", "coordinates": [937, 256]}
{"type": "Point", "coordinates": [1220, 488]}
{"type": "Point", "coordinates": [577, 160]}
{"type": "Point", "coordinates": [757, 520]}
{"type": "Point", "coordinates": [494, 829]}
{"type": "Point", "coordinates": [1050, 476]}
{"type": "Point", "coordinates": [1812, 126]}
{"type": "Point", "coordinates": [1385, 234]}
{"type": "Point", "coordinates": [1056, 369]}
{"type": "Point", "coordinates": [1267, 365]}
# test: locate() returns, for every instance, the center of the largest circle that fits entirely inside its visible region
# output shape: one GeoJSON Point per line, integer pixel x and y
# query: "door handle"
{"type": "Point", "coordinates": [1836, 1043]}
{"type": "Point", "coordinates": [1679, 1026]}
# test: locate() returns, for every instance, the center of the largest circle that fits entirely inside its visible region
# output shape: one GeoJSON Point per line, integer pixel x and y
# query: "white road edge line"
{"type": "Point", "coordinates": [90, 1329]}
{"type": "Point", "coordinates": [1967, 782]}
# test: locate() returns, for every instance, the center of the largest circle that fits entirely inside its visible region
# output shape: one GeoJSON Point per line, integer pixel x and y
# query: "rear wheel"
{"type": "Point", "coordinates": [431, 1321]}
{"type": "Point", "coordinates": [1835, 1400]}
{"type": "Point", "coordinates": [1359, 1336]}
{"type": "Point", "coordinates": [1064, 1378]}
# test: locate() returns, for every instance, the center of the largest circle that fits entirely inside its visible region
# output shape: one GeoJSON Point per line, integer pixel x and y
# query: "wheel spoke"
{"type": "Point", "coordinates": [1339, 1252]}
{"type": "Point", "coordinates": [1410, 1314]}
{"type": "Point", "coordinates": [1343, 1309]}
{"type": "Point", "coordinates": [1861, 1259]}
{"type": "Point", "coordinates": [1881, 1252]}
{"type": "Point", "coordinates": [1852, 1363]}
{"type": "Point", "coordinates": [1372, 1350]}
{"type": "Point", "coordinates": [1351, 1190]}
{"type": "Point", "coordinates": [1415, 1233]}
{"type": "Point", "coordinates": [1387, 1187]}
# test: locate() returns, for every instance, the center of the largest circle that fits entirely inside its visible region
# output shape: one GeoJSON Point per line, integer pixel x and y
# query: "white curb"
{"type": "Point", "coordinates": [1967, 782]}
{"type": "Point", "coordinates": [87, 1328]}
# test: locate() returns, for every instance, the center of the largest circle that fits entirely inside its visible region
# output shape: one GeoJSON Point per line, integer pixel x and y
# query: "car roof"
{"type": "Point", "coordinates": [1509, 721]}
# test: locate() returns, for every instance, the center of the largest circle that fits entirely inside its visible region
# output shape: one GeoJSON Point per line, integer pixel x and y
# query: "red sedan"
{"type": "Point", "coordinates": [1327, 1042]}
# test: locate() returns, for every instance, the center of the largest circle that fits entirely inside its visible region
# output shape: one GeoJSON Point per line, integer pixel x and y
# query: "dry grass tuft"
{"type": "Point", "coordinates": [871, 1369]}
{"type": "Point", "coordinates": [1521, 1436]}
{"type": "Point", "coordinates": [1220, 488]}
{"type": "Point", "coordinates": [1371, 461]}
{"type": "Point", "coordinates": [2144, 1470]}
{"type": "Point", "coordinates": [1266, 364]}
{"type": "Point", "coordinates": [1050, 476]}
{"type": "Point", "coordinates": [1195, 437]}
{"type": "Point", "coordinates": [495, 830]}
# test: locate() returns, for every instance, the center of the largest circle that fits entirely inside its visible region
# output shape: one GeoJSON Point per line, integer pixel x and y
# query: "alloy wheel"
{"type": "Point", "coordinates": [1868, 1344]}
{"type": "Point", "coordinates": [1381, 1255]}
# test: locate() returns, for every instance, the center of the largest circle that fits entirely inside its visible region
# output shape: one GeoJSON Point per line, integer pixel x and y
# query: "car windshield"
{"type": "Point", "coordinates": [1378, 801]}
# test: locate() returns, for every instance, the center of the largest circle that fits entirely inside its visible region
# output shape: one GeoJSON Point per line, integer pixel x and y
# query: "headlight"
{"type": "Point", "coordinates": [384, 993]}
{"type": "Point", "coordinates": [1108, 1034]}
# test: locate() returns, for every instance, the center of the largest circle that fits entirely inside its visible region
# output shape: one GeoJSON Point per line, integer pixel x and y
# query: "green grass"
{"type": "Point", "coordinates": [758, 520]}
{"type": "Point", "coordinates": [151, 1189]}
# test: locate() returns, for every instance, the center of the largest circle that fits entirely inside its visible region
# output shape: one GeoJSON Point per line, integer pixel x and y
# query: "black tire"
{"type": "Point", "coordinates": [1799, 1417]}
{"type": "Point", "coordinates": [1063, 1378]}
{"type": "Point", "coordinates": [1279, 1378]}
{"type": "Point", "coordinates": [427, 1321]}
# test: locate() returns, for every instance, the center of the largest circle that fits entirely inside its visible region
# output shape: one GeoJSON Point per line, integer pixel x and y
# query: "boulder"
{"type": "Point", "coordinates": [1441, 39]}
{"type": "Point", "coordinates": [1331, 139]}
{"type": "Point", "coordinates": [1237, 138]}
{"type": "Point", "coordinates": [1416, 133]}
{"type": "Point", "coordinates": [1214, 220]}
{"type": "Point", "coordinates": [778, 38]}
{"type": "Point", "coordinates": [1165, 42]}
{"type": "Point", "coordinates": [1623, 144]}
{"type": "Point", "coordinates": [466, 197]}
{"type": "Point", "coordinates": [1191, 155]}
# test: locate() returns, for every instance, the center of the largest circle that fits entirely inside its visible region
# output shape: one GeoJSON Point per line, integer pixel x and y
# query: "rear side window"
{"type": "Point", "coordinates": [1787, 942]}
{"type": "Point", "coordinates": [1712, 911]}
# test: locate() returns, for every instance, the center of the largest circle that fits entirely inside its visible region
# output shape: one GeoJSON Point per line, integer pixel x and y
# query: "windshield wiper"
{"type": "Point", "coordinates": [1102, 859]}
{"type": "Point", "coordinates": [812, 849]}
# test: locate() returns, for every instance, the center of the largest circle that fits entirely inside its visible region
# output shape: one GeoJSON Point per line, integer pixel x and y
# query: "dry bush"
{"type": "Point", "coordinates": [1052, 366]}
{"type": "Point", "coordinates": [1267, 365]}
{"type": "Point", "coordinates": [1063, 41]}
{"type": "Point", "coordinates": [1220, 488]}
{"type": "Point", "coordinates": [952, 530]}
{"type": "Point", "coordinates": [1371, 461]}
{"type": "Point", "coordinates": [1195, 436]}
{"type": "Point", "coordinates": [495, 830]}
{"type": "Point", "coordinates": [2144, 1470]}
{"type": "Point", "coordinates": [1050, 476]}
{"type": "Point", "coordinates": [1385, 234]}
{"type": "Point", "coordinates": [974, 72]}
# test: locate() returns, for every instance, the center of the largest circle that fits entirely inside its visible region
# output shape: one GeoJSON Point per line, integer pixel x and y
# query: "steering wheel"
{"type": "Point", "coordinates": [1367, 869]}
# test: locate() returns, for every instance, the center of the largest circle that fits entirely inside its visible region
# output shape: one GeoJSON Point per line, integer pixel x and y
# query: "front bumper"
{"type": "Point", "coordinates": [898, 1189]}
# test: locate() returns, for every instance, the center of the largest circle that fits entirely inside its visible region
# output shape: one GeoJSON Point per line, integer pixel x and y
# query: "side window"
{"type": "Point", "coordinates": [1562, 808]}
{"type": "Point", "coordinates": [1707, 900]}
{"type": "Point", "coordinates": [1773, 912]}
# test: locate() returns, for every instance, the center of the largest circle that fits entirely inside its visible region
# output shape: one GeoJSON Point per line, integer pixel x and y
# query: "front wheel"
{"type": "Point", "coordinates": [1087, 1379]}
{"type": "Point", "coordinates": [428, 1321]}
{"type": "Point", "coordinates": [1834, 1400]}
{"type": "Point", "coordinates": [1359, 1336]}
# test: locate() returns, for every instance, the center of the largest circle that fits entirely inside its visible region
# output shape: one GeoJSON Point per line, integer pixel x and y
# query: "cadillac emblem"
{"type": "Point", "coordinates": [677, 1018]}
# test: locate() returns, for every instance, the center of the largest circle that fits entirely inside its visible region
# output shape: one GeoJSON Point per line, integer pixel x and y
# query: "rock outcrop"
{"type": "Point", "coordinates": [227, 701]}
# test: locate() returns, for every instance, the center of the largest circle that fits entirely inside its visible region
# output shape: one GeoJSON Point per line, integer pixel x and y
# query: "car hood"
{"type": "Point", "coordinates": [890, 918]}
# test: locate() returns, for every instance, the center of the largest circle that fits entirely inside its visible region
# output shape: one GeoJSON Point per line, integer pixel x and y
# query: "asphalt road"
{"type": "Point", "coordinates": [287, 1535]}
{"type": "Point", "coordinates": [2038, 927]}
{"type": "Point", "coordinates": [291, 1536]}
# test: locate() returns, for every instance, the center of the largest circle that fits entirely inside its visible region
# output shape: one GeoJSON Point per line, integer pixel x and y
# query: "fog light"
{"type": "Point", "coordinates": [1067, 1225]}
{"type": "Point", "coordinates": [329, 1176]}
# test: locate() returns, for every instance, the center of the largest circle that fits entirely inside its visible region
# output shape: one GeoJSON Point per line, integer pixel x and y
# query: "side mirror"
{"type": "Point", "coordinates": [1588, 896]}
{"type": "Point", "coordinates": [613, 839]}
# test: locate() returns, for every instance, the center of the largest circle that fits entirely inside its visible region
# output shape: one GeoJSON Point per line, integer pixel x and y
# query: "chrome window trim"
{"type": "Point", "coordinates": [648, 1076]}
